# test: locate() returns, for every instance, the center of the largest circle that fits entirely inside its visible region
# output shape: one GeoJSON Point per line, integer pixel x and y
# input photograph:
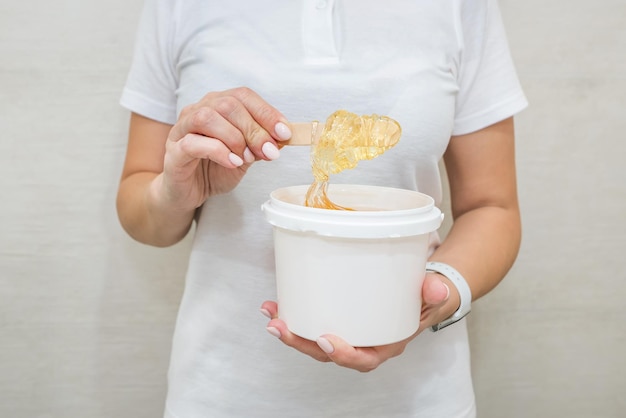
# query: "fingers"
{"type": "Point", "coordinates": [269, 309]}
{"type": "Point", "coordinates": [193, 147]}
{"type": "Point", "coordinates": [247, 125]}
{"type": "Point", "coordinates": [363, 359]}
{"type": "Point", "coordinates": [205, 133]}
{"type": "Point", "coordinates": [341, 353]}
{"type": "Point", "coordinates": [330, 347]}
{"type": "Point", "coordinates": [278, 329]}
{"type": "Point", "coordinates": [270, 119]}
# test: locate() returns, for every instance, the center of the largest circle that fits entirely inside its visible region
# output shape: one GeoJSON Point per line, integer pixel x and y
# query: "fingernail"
{"type": "Point", "coordinates": [447, 291]}
{"type": "Point", "coordinates": [325, 345]}
{"type": "Point", "coordinates": [248, 156]}
{"type": "Point", "coordinates": [270, 151]}
{"type": "Point", "coordinates": [274, 331]}
{"type": "Point", "coordinates": [235, 159]}
{"type": "Point", "coordinates": [282, 131]}
{"type": "Point", "coordinates": [266, 313]}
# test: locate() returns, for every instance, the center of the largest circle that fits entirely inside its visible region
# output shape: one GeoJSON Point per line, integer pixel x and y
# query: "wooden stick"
{"type": "Point", "coordinates": [304, 133]}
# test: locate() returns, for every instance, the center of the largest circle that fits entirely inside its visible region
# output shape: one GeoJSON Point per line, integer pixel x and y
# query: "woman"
{"type": "Point", "coordinates": [203, 147]}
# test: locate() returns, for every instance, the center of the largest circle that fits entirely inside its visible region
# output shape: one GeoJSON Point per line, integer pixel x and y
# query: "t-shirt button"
{"type": "Point", "coordinates": [321, 4]}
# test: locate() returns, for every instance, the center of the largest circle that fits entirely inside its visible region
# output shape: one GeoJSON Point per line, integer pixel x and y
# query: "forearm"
{"type": "Point", "coordinates": [144, 217]}
{"type": "Point", "coordinates": [482, 245]}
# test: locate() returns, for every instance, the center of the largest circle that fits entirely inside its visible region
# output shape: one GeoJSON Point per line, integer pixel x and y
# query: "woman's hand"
{"type": "Point", "coordinates": [171, 170]}
{"type": "Point", "coordinates": [439, 302]}
{"type": "Point", "coordinates": [213, 143]}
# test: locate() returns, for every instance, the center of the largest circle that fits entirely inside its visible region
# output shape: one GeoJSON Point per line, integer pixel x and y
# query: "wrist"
{"type": "Point", "coordinates": [167, 222]}
{"type": "Point", "coordinates": [162, 203]}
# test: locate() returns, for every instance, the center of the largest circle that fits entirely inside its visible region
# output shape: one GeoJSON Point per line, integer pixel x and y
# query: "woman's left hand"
{"type": "Point", "coordinates": [440, 300]}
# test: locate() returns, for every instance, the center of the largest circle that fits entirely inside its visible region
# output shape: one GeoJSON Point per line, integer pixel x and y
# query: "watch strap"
{"type": "Point", "coordinates": [465, 293]}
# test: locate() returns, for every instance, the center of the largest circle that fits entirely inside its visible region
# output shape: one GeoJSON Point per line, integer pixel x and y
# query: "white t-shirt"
{"type": "Point", "coordinates": [439, 67]}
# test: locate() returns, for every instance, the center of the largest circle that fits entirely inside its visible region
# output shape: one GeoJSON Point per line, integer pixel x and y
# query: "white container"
{"type": "Point", "coordinates": [355, 274]}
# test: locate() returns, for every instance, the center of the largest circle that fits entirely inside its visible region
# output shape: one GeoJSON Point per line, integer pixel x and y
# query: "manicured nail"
{"type": "Point", "coordinates": [235, 159]}
{"type": "Point", "coordinates": [266, 313]}
{"type": "Point", "coordinates": [325, 345]}
{"type": "Point", "coordinates": [447, 290]}
{"type": "Point", "coordinates": [274, 331]}
{"type": "Point", "coordinates": [270, 151]}
{"type": "Point", "coordinates": [248, 156]}
{"type": "Point", "coordinates": [282, 131]}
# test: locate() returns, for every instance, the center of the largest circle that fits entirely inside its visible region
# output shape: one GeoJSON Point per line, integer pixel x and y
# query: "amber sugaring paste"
{"type": "Point", "coordinates": [347, 138]}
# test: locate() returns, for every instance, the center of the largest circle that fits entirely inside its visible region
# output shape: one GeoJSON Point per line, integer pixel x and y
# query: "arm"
{"type": "Point", "coordinates": [485, 237]}
{"type": "Point", "coordinates": [137, 203]}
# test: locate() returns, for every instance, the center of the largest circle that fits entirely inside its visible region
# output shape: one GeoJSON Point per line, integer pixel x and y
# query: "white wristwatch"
{"type": "Point", "coordinates": [459, 282]}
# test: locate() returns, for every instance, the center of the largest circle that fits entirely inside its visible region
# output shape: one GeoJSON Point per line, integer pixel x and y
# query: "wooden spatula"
{"type": "Point", "coordinates": [304, 133]}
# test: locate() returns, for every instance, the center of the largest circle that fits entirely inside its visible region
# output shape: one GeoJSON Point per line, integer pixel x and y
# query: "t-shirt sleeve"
{"type": "Point", "coordinates": [150, 88]}
{"type": "Point", "coordinates": [489, 89]}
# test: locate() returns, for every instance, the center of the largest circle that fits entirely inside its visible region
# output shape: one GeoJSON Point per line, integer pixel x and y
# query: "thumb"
{"type": "Point", "coordinates": [434, 290]}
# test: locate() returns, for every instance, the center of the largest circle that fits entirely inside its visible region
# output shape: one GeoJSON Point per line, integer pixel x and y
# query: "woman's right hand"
{"type": "Point", "coordinates": [214, 142]}
{"type": "Point", "coordinates": [170, 171]}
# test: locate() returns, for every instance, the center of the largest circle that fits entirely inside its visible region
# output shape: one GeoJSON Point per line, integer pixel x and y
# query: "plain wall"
{"type": "Point", "coordinates": [86, 314]}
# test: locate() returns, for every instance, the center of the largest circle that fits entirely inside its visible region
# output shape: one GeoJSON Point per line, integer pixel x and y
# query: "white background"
{"type": "Point", "coordinates": [86, 314]}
